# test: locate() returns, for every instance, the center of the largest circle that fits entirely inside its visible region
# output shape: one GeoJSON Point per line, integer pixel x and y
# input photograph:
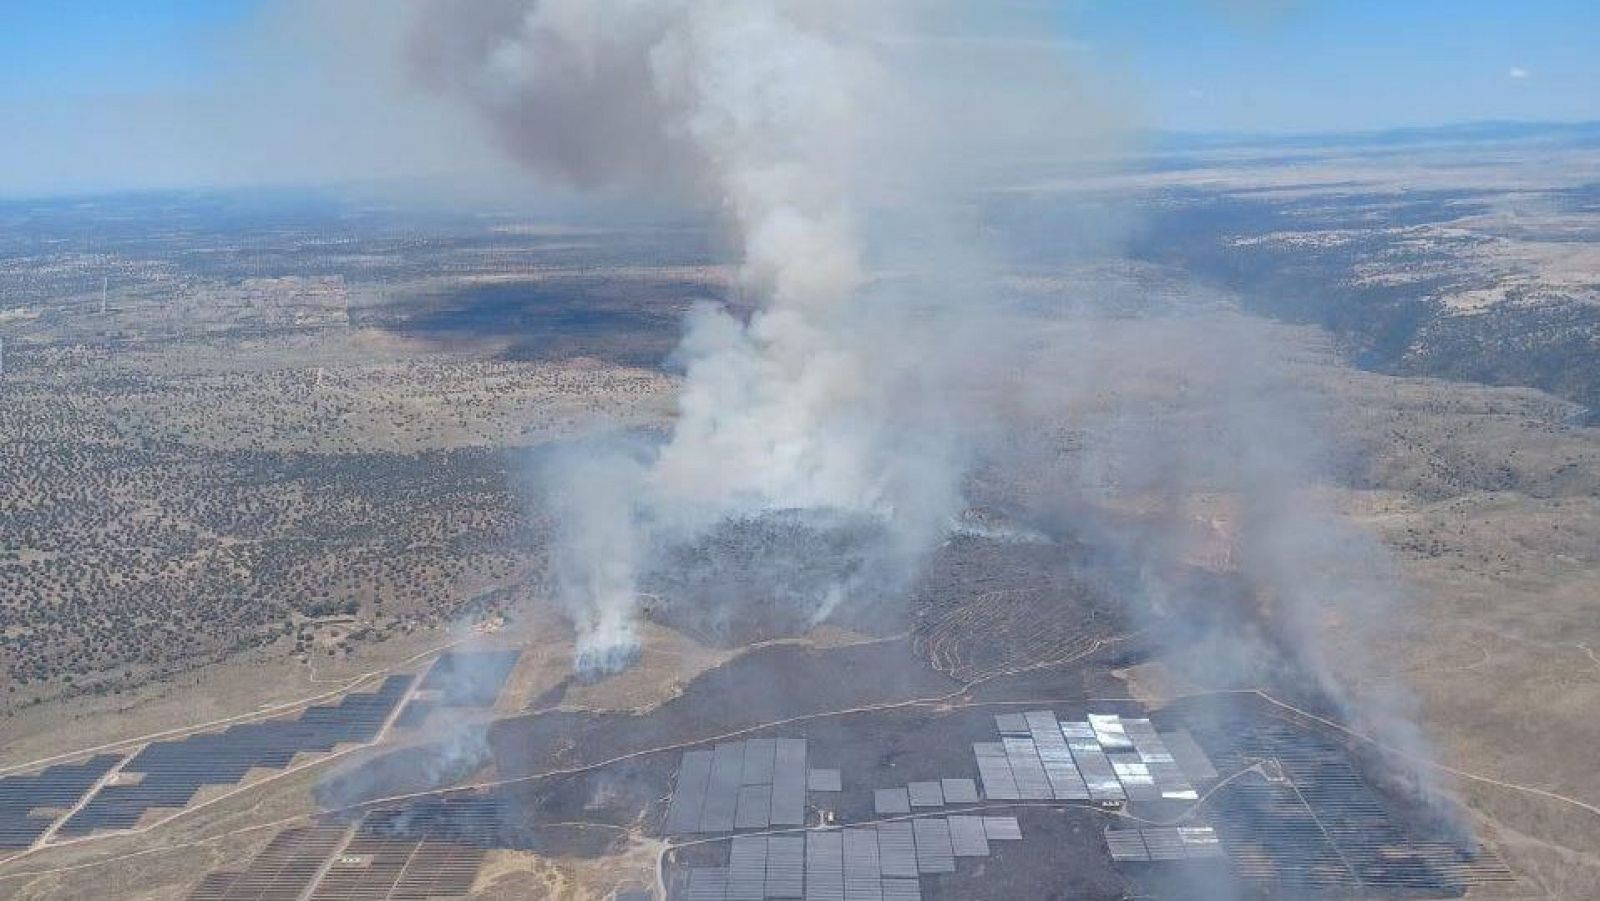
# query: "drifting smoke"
{"type": "Point", "coordinates": [1203, 478]}
{"type": "Point", "coordinates": [850, 403]}
{"type": "Point", "coordinates": [763, 110]}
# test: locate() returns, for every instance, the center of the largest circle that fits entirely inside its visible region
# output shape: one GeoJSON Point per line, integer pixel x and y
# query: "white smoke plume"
{"type": "Point", "coordinates": [770, 112]}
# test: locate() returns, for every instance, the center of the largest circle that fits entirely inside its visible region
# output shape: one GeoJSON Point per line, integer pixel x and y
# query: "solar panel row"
{"type": "Point", "coordinates": [470, 678]}
{"type": "Point", "coordinates": [1191, 760]}
{"type": "Point", "coordinates": [1002, 829]}
{"type": "Point", "coordinates": [934, 853]}
{"type": "Point", "coordinates": [1322, 826]}
{"type": "Point", "coordinates": [722, 794]}
{"type": "Point", "coordinates": [862, 876]}
{"type": "Point", "coordinates": [897, 849]}
{"type": "Point", "coordinates": [759, 756]}
{"type": "Point", "coordinates": [1023, 757]}
{"type": "Point", "coordinates": [786, 860]}
{"type": "Point", "coordinates": [1013, 724]}
{"type": "Point", "coordinates": [754, 809]}
{"type": "Point", "coordinates": [1163, 844]}
{"type": "Point", "coordinates": [859, 862]}
{"type": "Point", "coordinates": [926, 794]}
{"type": "Point", "coordinates": [1163, 768]}
{"type": "Point", "coordinates": [789, 783]}
{"type": "Point", "coordinates": [890, 801]}
{"type": "Point", "coordinates": [824, 781]}
{"type": "Point", "coordinates": [740, 785]}
{"type": "Point", "coordinates": [1092, 762]}
{"type": "Point", "coordinates": [959, 791]}
{"type": "Point", "coordinates": [174, 771]}
{"type": "Point", "coordinates": [689, 795]}
{"type": "Point", "coordinates": [998, 782]}
{"type": "Point", "coordinates": [824, 866]}
{"type": "Point", "coordinates": [30, 804]}
{"type": "Point", "coordinates": [967, 838]}
{"type": "Point", "coordinates": [1066, 783]}
{"type": "Point", "coordinates": [283, 871]}
{"type": "Point", "coordinates": [708, 884]}
{"type": "Point", "coordinates": [902, 890]}
{"type": "Point", "coordinates": [747, 868]}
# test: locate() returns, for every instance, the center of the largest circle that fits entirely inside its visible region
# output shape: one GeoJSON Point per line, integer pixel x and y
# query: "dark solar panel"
{"type": "Point", "coordinates": [1320, 825]}
{"type": "Point", "coordinates": [415, 714]}
{"type": "Point", "coordinates": [755, 807]}
{"type": "Point", "coordinates": [747, 868]}
{"type": "Point", "coordinates": [173, 771]}
{"type": "Point", "coordinates": [758, 759]}
{"type": "Point", "coordinates": [284, 869]}
{"type": "Point", "coordinates": [959, 791]}
{"type": "Point", "coordinates": [722, 792]}
{"type": "Point", "coordinates": [470, 678]}
{"type": "Point", "coordinates": [689, 794]}
{"type": "Point", "coordinates": [824, 781]}
{"type": "Point", "coordinates": [484, 821]}
{"type": "Point", "coordinates": [1001, 829]}
{"type": "Point", "coordinates": [789, 783]}
{"type": "Point", "coordinates": [786, 857]}
{"type": "Point", "coordinates": [430, 848]}
{"type": "Point", "coordinates": [213, 887]}
{"type": "Point", "coordinates": [824, 866]}
{"type": "Point", "coordinates": [967, 837]}
{"type": "Point", "coordinates": [926, 794]}
{"type": "Point", "coordinates": [934, 852]}
{"type": "Point", "coordinates": [897, 849]}
{"type": "Point", "coordinates": [29, 804]}
{"type": "Point", "coordinates": [862, 880]}
{"type": "Point", "coordinates": [890, 801]}
{"type": "Point", "coordinates": [708, 884]}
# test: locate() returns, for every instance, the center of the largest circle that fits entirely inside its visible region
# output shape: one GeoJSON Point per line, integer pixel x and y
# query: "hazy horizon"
{"type": "Point", "coordinates": [101, 97]}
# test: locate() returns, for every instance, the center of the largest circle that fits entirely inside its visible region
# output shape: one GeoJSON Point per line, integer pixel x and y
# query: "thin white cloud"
{"type": "Point", "coordinates": [1517, 73]}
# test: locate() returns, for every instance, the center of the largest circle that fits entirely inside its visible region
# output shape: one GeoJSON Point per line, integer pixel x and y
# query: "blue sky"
{"type": "Point", "coordinates": [68, 49]}
{"type": "Point", "coordinates": [133, 93]}
{"type": "Point", "coordinates": [1348, 64]}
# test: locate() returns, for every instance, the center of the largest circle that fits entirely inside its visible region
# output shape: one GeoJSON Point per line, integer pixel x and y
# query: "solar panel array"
{"type": "Point", "coordinates": [857, 863]}
{"type": "Point", "coordinates": [959, 791]}
{"type": "Point", "coordinates": [741, 785]}
{"type": "Point", "coordinates": [747, 868]}
{"type": "Point", "coordinates": [1164, 844]}
{"type": "Point", "coordinates": [430, 848]}
{"type": "Point", "coordinates": [897, 849]}
{"type": "Point", "coordinates": [926, 794]}
{"type": "Point", "coordinates": [174, 771]}
{"type": "Point", "coordinates": [283, 871]}
{"type": "Point", "coordinates": [824, 781]}
{"type": "Point", "coordinates": [1189, 756]}
{"type": "Point", "coordinates": [968, 838]}
{"type": "Point", "coordinates": [461, 679]}
{"type": "Point", "coordinates": [1321, 826]}
{"type": "Point", "coordinates": [470, 678]}
{"type": "Point", "coordinates": [934, 853]}
{"type": "Point", "coordinates": [1106, 758]}
{"type": "Point", "coordinates": [902, 890]}
{"type": "Point", "coordinates": [863, 873]}
{"type": "Point", "coordinates": [890, 801]}
{"type": "Point", "coordinates": [1159, 762]}
{"type": "Point", "coordinates": [24, 799]}
{"type": "Point", "coordinates": [824, 866]}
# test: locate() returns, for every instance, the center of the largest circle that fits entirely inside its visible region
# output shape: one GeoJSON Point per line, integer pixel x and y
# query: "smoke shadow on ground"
{"type": "Point", "coordinates": [618, 320]}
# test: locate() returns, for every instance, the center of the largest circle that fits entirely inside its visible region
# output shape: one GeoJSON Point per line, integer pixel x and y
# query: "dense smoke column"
{"type": "Point", "coordinates": [754, 108]}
